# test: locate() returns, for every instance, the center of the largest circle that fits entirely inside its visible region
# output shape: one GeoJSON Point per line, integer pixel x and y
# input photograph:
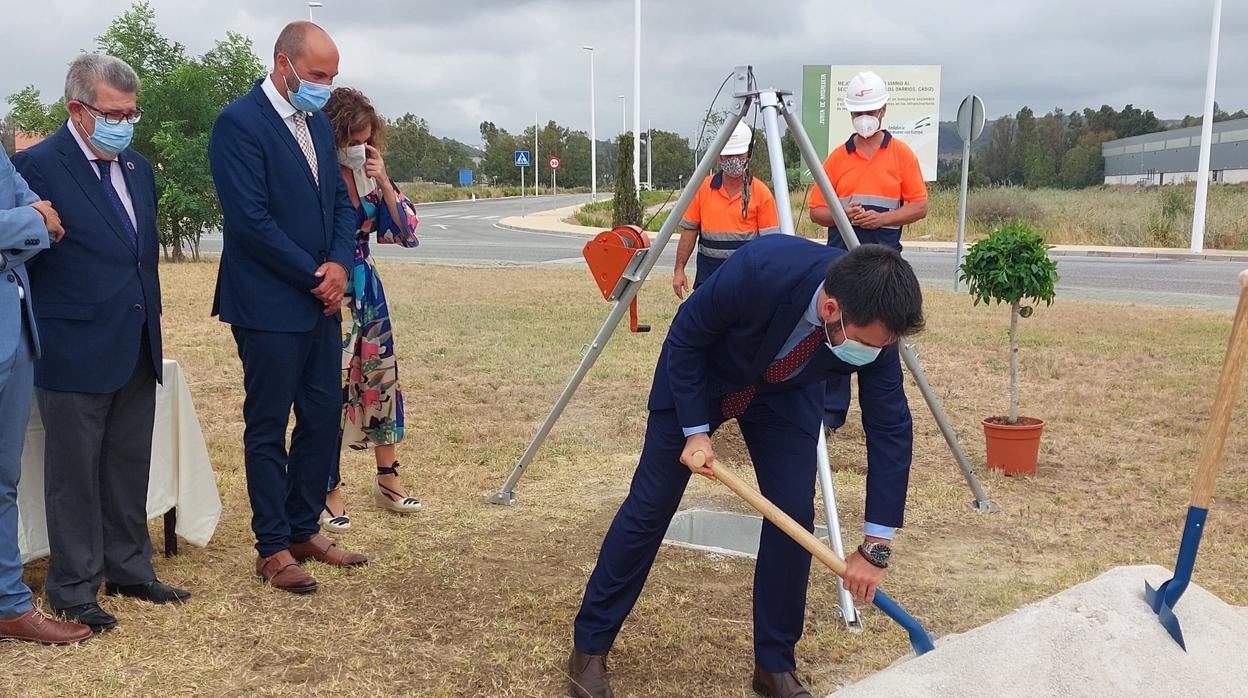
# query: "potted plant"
{"type": "Point", "coordinates": [1011, 266]}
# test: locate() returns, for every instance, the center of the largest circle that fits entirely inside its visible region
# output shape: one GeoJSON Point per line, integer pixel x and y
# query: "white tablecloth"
{"type": "Point", "coordinates": [181, 471]}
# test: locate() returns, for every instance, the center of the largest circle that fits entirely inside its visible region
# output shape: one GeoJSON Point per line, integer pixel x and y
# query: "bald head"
{"type": "Point", "coordinates": [303, 51]}
{"type": "Point", "coordinates": [298, 37]}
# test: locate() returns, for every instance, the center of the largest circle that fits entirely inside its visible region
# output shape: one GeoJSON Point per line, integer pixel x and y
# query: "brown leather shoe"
{"type": "Point", "coordinates": [322, 549]}
{"type": "Point", "coordinates": [587, 675]}
{"type": "Point", "coordinates": [782, 685]}
{"type": "Point", "coordinates": [281, 571]}
{"type": "Point", "coordinates": [33, 626]}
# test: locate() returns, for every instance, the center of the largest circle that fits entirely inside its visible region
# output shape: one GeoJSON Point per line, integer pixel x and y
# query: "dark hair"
{"type": "Point", "coordinates": [349, 111]}
{"type": "Point", "coordinates": [873, 282]}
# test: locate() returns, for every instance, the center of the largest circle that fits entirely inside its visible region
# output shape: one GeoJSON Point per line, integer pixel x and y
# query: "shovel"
{"type": "Point", "coordinates": [919, 639]}
{"type": "Point", "coordinates": [1163, 598]}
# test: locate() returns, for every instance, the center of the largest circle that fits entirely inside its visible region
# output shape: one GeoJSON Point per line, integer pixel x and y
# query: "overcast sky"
{"type": "Point", "coordinates": [458, 62]}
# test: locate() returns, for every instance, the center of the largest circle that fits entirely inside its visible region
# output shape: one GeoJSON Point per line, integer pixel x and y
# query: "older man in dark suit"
{"type": "Point", "coordinates": [97, 302]}
{"type": "Point", "coordinates": [289, 240]}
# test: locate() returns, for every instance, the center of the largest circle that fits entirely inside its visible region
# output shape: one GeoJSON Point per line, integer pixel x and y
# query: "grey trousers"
{"type": "Point", "coordinates": [97, 458]}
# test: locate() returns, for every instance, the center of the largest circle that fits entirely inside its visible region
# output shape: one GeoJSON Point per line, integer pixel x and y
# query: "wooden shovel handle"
{"type": "Point", "coordinates": [772, 513]}
{"type": "Point", "coordinates": [1223, 403]}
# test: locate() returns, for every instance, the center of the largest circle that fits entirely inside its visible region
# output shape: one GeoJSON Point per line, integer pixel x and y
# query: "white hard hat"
{"type": "Point", "coordinates": [739, 141]}
{"type": "Point", "coordinates": [866, 92]}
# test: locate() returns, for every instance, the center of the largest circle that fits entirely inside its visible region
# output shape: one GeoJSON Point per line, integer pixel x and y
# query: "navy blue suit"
{"type": "Point", "coordinates": [97, 303]}
{"type": "Point", "coordinates": [95, 292]}
{"type": "Point", "coordinates": [722, 339]}
{"type": "Point", "coordinates": [280, 225]}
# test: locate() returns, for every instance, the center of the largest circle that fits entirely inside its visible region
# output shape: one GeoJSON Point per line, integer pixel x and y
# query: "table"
{"type": "Point", "coordinates": [182, 486]}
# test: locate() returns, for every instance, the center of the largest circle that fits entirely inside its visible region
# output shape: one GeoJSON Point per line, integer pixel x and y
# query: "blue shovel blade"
{"type": "Point", "coordinates": [1164, 598]}
{"type": "Point", "coordinates": [1165, 613]}
{"type": "Point", "coordinates": [919, 639]}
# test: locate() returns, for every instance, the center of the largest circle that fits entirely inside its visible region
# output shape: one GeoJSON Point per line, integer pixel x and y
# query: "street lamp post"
{"type": "Point", "coordinates": [593, 131]}
{"type": "Point", "coordinates": [637, 95]}
{"type": "Point", "coordinates": [623, 113]}
{"type": "Point", "coordinates": [312, 5]}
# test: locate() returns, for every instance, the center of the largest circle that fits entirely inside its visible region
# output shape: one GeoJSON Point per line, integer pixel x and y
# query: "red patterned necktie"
{"type": "Point", "coordinates": [734, 404]}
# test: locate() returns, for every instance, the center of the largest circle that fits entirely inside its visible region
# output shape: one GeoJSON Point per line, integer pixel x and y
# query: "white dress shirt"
{"type": "Point", "coordinates": [284, 109]}
{"type": "Point", "coordinates": [115, 175]}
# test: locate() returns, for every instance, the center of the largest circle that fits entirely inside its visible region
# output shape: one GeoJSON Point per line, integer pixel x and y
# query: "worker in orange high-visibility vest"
{"type": "Point", "coordinates": [881, 186]}
{"type": "Point", "coordinates": [876, 175]}
{"type": "Point", "coordinates": [730, 209]}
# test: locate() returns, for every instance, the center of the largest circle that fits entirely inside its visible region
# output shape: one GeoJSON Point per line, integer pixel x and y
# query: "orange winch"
{"type": "Point", "coordinates": [614, 258]}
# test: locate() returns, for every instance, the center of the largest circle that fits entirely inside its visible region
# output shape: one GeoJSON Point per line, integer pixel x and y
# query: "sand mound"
{"type": "Point", "coordinates": [1096, 639]}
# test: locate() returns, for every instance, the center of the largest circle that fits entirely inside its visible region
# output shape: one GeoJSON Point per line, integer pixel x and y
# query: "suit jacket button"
{"type": "Point", "coordinates": [137, 307]}
{"type": "Point", "coordinates": [12, 279]}
{"type": "Point", "coordinates": [140, 265]}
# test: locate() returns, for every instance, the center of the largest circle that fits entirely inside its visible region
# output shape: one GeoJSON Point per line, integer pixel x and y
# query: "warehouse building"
{"type": "Point", "coordinates": [1171, 157]}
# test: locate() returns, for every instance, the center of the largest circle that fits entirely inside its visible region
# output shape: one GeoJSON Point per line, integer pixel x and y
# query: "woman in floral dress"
{"type": "Point", "coordinates": [372, 409]}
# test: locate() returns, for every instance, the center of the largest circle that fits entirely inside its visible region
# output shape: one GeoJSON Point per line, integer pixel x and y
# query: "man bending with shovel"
{"type": "Point", "coordinates": [756, 344]}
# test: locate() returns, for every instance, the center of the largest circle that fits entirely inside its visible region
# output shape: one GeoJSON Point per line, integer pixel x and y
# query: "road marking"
{"type": "Point", "coordinates": [440, 226]}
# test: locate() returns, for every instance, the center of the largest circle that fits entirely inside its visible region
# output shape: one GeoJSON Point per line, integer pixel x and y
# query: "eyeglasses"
{"type": "Point", "coordinates": [113, 118]}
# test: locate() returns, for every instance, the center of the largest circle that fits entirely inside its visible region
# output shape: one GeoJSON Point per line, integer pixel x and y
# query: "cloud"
{"type": "Point", "coordinates": [458, 63]}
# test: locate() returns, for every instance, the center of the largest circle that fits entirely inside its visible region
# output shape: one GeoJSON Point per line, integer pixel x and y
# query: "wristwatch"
{"type": "Point", "coordinates": [875, 553]}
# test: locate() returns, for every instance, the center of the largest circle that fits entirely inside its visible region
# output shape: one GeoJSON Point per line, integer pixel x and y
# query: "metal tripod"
{"type": "Point", "coordinates": [772, 104]}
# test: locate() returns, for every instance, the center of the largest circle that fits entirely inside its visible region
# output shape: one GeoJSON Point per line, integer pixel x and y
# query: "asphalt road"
{"type": "Point", "coordinates": [468, 233]}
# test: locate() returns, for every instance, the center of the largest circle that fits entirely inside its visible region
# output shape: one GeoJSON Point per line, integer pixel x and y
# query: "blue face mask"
{"type": "Point", "coordinates": [111, 139]}
{"type": "Point", "coordinates": [851, 351]}
{"type": "Point", "coordinates": [310, 96]}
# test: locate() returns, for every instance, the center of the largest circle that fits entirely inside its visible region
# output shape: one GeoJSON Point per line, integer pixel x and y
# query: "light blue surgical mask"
{"type": "Point", "coordinates": [851, 351]}
{"type": "Point", "coordinates": [310, 96]}
{"type": "Point", "coordinates": [111, 139]}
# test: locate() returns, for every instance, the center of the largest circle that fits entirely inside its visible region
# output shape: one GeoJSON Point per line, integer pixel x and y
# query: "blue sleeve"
{"type": "Point", "coordinates": [889, 430]}
{"type": "Point", "coordinates": [235, 159]}
{"type": "Point", "coordinates": [342, 245]}
{"type": "Point", "coordinates": [21, 227]}
{"type": "Point", "coordinates": [702, 321]}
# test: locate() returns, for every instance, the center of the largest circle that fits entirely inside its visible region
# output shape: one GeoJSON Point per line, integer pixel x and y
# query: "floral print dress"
{"type": "Point", "coordinates": [372, 402]}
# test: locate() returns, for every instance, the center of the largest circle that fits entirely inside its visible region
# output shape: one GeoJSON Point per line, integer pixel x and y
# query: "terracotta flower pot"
{"type": "Point", "coordinates": [1013, 448]}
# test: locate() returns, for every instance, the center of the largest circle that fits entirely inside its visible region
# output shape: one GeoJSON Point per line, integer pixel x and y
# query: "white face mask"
{"type": "Point", "coordinates": [866, 125]}
{"type": "Point", "coordinates": [353, 156]}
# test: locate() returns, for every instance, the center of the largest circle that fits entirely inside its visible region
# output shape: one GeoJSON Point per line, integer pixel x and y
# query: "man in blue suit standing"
{"type": "Point", "coordinates": [756, 343]}
{"type": "Point", "coordinates": [97, 302]}
{"type": "Point", "coordinates": [289, 240]}
{"type": "Point", "coordinates": [27, 227]}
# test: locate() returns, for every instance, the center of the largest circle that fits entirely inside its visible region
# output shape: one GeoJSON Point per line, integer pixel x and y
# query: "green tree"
{"type": "Point", "coordinates": [29, 113]}
{"type": "Point", "coordinates": [625, 206]}
{"type": "Point", "coordinates": [672, 159]}
{"type": "Point", "coordinates": [500, 147]}
{"type": "Point", "coordinates": [999, 160]}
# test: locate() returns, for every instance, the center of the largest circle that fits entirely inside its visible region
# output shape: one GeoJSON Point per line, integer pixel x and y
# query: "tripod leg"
{"type": "Point", "coordinates": [848, 611]}
{"type": "Point", "coordinates": [506, 493]}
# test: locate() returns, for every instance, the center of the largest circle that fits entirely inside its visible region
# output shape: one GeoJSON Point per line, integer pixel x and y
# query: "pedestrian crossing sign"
{"type": "Point", "coordinates": [523, 159]}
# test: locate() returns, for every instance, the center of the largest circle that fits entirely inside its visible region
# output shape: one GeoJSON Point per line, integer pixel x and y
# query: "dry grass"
{"type": "Point", "coordinates": [466, 598]}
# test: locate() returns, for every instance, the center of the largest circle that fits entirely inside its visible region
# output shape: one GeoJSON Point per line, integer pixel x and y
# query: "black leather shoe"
{"type": "Point", "coordinates": [155, 591]}
{"type": "Point", "coordinates": [90, 615]}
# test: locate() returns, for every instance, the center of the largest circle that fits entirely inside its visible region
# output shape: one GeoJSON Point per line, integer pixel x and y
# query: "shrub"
{"type": "Point", "coordinates": [999, 205]}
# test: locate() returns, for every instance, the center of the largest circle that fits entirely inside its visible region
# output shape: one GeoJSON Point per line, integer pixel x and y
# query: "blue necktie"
{"type": "Point", "coordinates": [110, 193]}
